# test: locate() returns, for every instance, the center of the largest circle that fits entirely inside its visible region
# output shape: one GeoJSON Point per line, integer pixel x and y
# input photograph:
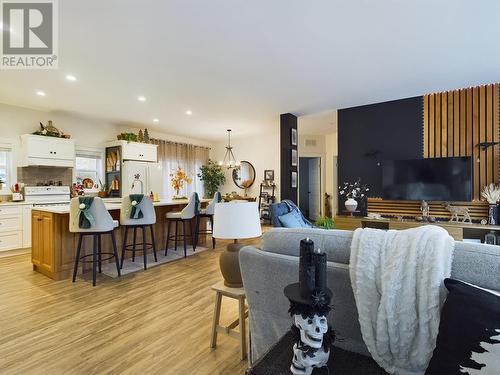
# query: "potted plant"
{"type": "Point", "coordinates": [324, 222]}
{"type": "Point", "coordinates": [177, 180]}
{"type": "Point", "coordinates": [352, 192]}
{"type": "Point", "coordinates": [212, 176]}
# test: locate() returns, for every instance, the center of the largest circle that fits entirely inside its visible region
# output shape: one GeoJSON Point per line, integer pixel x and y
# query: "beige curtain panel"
{"type": "Point", "coordinates": [189, 157]}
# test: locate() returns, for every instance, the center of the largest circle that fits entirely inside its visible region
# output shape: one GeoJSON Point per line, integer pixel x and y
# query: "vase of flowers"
{"type": "Point", "coordinates": [177, 180]}
{"type": "Point", "coordinates": [491, 193]}
{"type": "Point", "coordinates": [353, 192]}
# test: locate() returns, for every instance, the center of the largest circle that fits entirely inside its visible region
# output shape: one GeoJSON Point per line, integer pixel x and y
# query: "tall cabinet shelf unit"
{"type": "Point", "coordinates": [120, 152]}
{"type": "Point", "coordinates": [266, 198]}
{"type": "Point", "coordinates": [114, 171]}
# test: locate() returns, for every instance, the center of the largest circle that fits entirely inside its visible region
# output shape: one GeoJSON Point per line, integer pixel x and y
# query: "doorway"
{"type": "Point", "coordinates": [310, 187]}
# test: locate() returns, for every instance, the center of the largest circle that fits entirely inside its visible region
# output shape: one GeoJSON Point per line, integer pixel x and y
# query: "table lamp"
{"type": "Point", "coordinates": [235, 221]}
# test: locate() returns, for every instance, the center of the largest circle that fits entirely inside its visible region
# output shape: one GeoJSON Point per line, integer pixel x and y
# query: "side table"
{"type": "Point", "coordinates": [238, 294]}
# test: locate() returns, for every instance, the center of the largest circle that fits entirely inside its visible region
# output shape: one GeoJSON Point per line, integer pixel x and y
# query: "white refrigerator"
{"type": "Point", "coordinates": [145, 178]}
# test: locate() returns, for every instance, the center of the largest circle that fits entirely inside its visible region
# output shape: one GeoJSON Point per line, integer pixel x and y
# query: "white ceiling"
{"type": "Point", "coordinates": [240, 63]}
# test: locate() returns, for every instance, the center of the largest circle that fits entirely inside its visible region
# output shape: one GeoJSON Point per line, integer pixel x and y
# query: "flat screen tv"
{"type": "Point", "coordinates": [437, 179]}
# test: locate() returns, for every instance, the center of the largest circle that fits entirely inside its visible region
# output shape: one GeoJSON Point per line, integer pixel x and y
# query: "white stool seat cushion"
{"type": "Point", "coordinates": [103, 220]}
{"type": "Point", "coordinates": [188, 212]}
{"type": "Point", "coordinates": [146, 207]}
{"type": "Point", "coordinates": [210, 210]}
{"type": "Point", "coordinates": [116, 223]}
{"type": "Point", "coordinates": [173, 215]}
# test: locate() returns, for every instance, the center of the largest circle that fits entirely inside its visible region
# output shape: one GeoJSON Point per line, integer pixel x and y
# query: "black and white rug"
{"type": "Point", "coordinates": [109, 269]}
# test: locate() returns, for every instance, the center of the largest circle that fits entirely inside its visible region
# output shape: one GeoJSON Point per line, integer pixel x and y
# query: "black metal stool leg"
{"type": "Point", "coordinates": [124, 245]}
{"type": "Point", "coordinates": [115, 251]}
{"type": "Point", "coordinates": [197, 229]}
{"type": "Point", "coordinates": [212, 230]}
{"type": "Point", "coordinates": [99, 252]}
{"type": "Point", "coordinates": [144, 252]}
{"type": "Point", "coordinates": [133, 247]}
{"type": "Point", "coordinates": [193, 239]}
{"type": "Point", "coordinates": [169, 224]}
{"type": "Point", "coordinates": [176, 233]}
{"type": "Point", "coordinates": [153, 241]}
{"type": "Point", "coordinates": [77, 259]}
{"type": "Point", "coordinates": [94, 261]}
{"type": "Point", "coordinates": [184, 236]}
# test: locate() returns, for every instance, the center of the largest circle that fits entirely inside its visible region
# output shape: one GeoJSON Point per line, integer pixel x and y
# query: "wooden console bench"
{"type": "Point", "coordinates": [458, 231]}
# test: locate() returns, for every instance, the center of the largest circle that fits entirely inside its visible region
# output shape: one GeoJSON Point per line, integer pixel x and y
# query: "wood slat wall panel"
{"type": "Point", "coordinates": [475, 140]}
{"type": "Point", "coordinates": [463, 124]}
{"type": "Point", "coordinates": [482, 135]}
{"type": "Point", "coordinates": [437, 119]}
{"type": "Point", "coordinates": [496, 129]}
{"type": "Point", "coordinates": [444, 125]}
{"type": "Point", "coordinates": [426, 127]}
{"type": "Point", "coordinates": [432, 128]}
{"type": "Point", "coordinates": [489, 132]}
{"type": "Point", "coordinates": [456, 121]}
{"type": "Point", "coordinates": [449, 127]}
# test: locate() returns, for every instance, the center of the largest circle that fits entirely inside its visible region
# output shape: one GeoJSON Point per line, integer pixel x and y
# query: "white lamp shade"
{"type": "Point", "coordinates": [233, 221]}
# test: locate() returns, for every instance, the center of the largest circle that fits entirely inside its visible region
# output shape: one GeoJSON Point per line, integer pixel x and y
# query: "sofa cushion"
{"type": "Point", "coordinates": [335, 243]}
{"type": "Point", "coordinates": [469, 332]}
{"type": "Point", "coordinates": [291, 220]}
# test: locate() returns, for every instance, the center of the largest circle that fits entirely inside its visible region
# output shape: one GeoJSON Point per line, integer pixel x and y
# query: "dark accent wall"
{"type": "Point", "coordinates": [287, 123]}
{"type": "Point", "coordinates": [370, 134]}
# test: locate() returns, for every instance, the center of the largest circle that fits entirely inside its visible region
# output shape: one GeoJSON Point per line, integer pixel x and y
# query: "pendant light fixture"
{"type": "Point", "coordinates": [229, 160]}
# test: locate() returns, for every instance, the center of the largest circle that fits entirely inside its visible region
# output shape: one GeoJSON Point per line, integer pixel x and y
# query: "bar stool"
{"type": "Point", "coordinates": [102, 223]}
{"type": "Point", "coordinates": [148, 220]}
{"type": "Point", "coordinates": [208, 213]}
{"type": "Point", "coordinates": [184, 216]}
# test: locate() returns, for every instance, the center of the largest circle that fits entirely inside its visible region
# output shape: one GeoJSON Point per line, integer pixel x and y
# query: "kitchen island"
{"type": "Point", "coordinates": [53, 246]}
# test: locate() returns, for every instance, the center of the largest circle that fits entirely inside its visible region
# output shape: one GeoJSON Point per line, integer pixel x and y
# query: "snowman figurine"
{"type": "Point", "coordinates": [309, 306]}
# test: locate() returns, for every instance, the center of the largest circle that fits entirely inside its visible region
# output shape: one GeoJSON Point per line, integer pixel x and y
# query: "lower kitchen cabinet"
{"type": "Point", "coordinates": [42, 254]}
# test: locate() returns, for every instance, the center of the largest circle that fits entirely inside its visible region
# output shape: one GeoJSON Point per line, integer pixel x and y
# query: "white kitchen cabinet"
{"type": "Point", "coordinates": [139, 151]}
{"type": "Point", "coordinates": [38, 150]}
{"type": "Point", "coordinates": [11, 240]}
{"type": "Point", "coordinates": [27, 225]}
{"type": "Point", "coordinates": [11, 227]}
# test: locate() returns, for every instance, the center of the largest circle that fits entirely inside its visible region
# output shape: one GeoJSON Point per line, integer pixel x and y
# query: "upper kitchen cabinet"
{"type": "Point", "coordinates": [39, 150]}
{"type": "Point", "coordinates": [137, 151]}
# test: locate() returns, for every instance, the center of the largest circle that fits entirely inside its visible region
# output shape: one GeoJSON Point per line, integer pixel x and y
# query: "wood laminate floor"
{"type": "Point", "coordinates": [150, 322]}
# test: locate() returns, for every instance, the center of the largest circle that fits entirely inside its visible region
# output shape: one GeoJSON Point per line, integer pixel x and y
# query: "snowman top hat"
{"type": "Point", "coordinates": [311, 291]}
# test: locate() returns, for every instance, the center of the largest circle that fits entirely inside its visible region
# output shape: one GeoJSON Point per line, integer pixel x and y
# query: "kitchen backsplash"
{"type": "Point", "coordinates": [33, 176]}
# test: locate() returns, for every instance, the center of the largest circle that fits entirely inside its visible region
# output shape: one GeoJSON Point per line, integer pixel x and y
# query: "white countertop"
{"type": "Point", "coordinates": [10, 203]}
{"type": "Point", "coordinates": [110, 206]}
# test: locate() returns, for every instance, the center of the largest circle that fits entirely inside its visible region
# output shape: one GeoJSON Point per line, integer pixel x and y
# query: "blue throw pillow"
{"type": "Point", "coordinates": [291, 220]}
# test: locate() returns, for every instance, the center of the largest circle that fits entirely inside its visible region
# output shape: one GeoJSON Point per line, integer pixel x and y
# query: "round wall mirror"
{"type": "Point", "coordinates": [244, 175]}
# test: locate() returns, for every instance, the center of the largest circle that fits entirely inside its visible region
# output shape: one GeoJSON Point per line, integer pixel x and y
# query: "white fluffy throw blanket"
{"type": "Point", "coordinates": [397, 280]}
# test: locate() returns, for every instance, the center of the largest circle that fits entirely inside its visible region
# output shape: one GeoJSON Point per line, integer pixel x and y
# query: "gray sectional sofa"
{"type": "Point", "coordinates": [268, 270]}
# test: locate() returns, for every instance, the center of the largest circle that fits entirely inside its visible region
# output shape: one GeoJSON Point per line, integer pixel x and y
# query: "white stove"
{"type": "Point", "coordinates": [47, 195]}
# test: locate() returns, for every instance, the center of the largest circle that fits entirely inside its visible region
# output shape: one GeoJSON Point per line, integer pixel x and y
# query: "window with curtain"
{"type": "Point", "coordinates": [5, 169]}
{"type": "Point", "coordinates": [189, 157]}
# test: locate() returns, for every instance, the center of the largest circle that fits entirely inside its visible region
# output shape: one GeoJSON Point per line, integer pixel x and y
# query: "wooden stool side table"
{"type": "Point", "coordinates": [238, 294]}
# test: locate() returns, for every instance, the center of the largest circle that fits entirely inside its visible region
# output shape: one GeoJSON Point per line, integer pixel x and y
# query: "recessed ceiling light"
{"type": "Point", "coordinates": [70, 77]}
{"type": "Point", "coordinates": [189, 112]}
{"type": "Point", "coordinates": [40, 93]}
{"type": "Point", "coordinates": [141, 98]}
{"type": "Point", "coordinates": [156, 120]}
